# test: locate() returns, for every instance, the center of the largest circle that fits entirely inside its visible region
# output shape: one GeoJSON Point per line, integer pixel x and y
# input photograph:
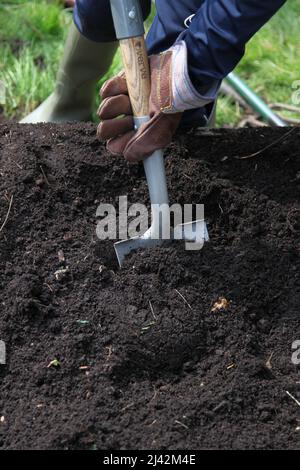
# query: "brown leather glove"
{"type": "Point", "coordinates": [172, 93]}
{"type": "Point", "coordinates": [119, 131]}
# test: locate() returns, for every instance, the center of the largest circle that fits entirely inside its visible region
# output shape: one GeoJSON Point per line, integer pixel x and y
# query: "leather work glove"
{"type": "Point", "coordinates": [172, 93]}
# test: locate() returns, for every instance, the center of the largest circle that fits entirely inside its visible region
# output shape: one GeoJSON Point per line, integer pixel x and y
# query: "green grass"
{"type": "Point", "coordinates": [271, 63]}
{"type": "Point", "coordinates": [32, 35]}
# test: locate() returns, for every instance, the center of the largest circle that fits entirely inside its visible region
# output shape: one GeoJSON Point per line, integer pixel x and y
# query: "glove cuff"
{"type": "Point", "coordinates": [184, 94]}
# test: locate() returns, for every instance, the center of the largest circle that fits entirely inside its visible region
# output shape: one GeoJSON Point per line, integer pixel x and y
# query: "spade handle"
{"type": "Point", "coordinates": [128, 22]}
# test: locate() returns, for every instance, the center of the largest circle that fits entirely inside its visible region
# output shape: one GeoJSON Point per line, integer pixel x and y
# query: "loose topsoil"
{"type": "Point", "coordinates": [141, 357]}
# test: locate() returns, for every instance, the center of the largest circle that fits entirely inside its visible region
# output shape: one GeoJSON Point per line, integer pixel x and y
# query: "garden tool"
{"type": "Point", "coordinates": [129, 29]}
{"type": "Point", "coordinates": [254, 100]}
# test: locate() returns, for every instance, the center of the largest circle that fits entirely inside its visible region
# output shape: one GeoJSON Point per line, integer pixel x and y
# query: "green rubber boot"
{"type": "Point", "coordinates": [84, 63]}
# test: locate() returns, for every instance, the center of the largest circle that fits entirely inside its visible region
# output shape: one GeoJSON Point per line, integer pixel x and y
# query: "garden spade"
{"type": "Point", "coordinates": [129, 27]}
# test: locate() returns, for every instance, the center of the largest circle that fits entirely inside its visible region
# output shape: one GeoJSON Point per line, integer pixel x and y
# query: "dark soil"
{"type": "Point", "coordinates": [182, 376]}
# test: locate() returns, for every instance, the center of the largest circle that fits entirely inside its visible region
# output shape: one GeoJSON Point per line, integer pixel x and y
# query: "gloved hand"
{"type": "Point", "coordinates": [172, 92]}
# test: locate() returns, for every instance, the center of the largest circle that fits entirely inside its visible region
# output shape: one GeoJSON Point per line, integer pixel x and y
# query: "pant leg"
{"type": "Point", "coordinates": [93, 19]}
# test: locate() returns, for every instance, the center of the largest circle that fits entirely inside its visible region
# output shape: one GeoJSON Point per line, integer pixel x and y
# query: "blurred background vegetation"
{"type": "Point", "coordinates": [32, 35]}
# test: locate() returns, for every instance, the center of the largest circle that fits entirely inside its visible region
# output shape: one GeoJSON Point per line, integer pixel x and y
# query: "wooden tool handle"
{"type": "Point", "coordinates": [137, 72]}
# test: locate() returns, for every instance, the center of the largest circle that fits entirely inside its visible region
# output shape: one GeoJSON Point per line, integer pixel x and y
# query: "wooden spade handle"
{"type": "Point", "coordinates": [137, 72]}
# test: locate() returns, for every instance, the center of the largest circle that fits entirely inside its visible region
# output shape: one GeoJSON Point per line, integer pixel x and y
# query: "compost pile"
{"type": "Point", "coordinates": [178, 349]}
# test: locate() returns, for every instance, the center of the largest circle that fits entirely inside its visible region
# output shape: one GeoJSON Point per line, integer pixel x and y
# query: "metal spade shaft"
{"type": "Point", "coordinates": [129, 28]}
{"type": "Point", "coordinates": [128, 22]}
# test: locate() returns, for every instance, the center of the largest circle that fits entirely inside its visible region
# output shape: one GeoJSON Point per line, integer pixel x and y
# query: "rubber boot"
{"type": "Point", "coordinates": [84, 63]}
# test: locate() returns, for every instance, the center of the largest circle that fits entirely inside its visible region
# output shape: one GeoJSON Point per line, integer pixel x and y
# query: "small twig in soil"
{"type": "Point", "coordinates": [184, 299]}
{"type": "Point", "coordinates": [147, 327]}
{"type": "Point", "coordinates": [268, 363]}
{"type": "Point", "coordinates": [181, 424]}
{"type": "Point", "coordinates": [45, 177]}
{"type": "Point", "coordinates": [7, 215]}
{"type": "Point", "coordinates": [153, 422]}
{"type": "Point", "coordinates": [221, 405]}
{"type": "Point", "coordinates": [293, 398]}
{"type": "Point", "coordinates": [61, 256]}
{"type": "Point", "coordinates": [49, 287]}
{"type": "Point", "coordinates": [155, 395]}
{"type": "Point", "coordinates": [187, 176]}
{"type": "Point", "coordinates": [127, 406]}
{"type": "Point", "coordinates": [60, 273]}
{"type": "Point", "coordinates": [17, 164]}
{"type": "Point", "coordinates": [255, 154]}
{"type": "Point", "coordinates": [152, 311]}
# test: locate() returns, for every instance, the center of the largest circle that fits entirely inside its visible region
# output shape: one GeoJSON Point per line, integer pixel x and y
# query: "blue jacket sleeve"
{"type": "Point", "coordinates": [218, 33]}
